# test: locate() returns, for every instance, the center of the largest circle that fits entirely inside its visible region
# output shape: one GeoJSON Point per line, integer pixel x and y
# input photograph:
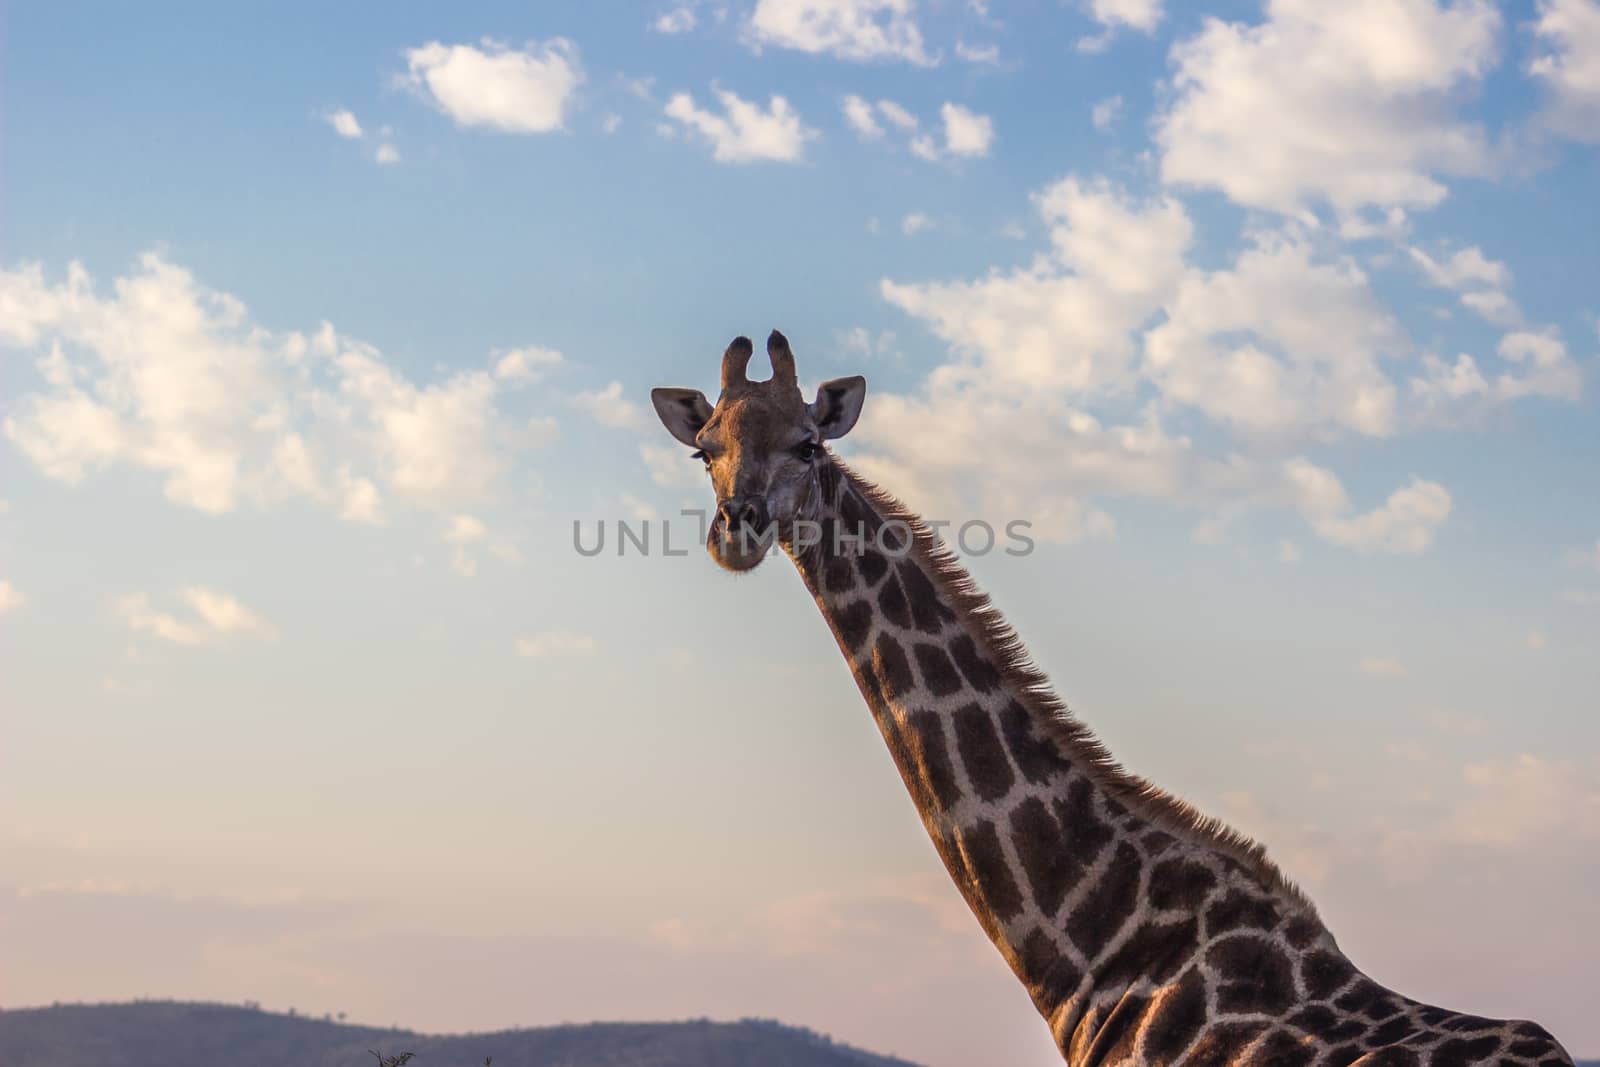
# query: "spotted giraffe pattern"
{"type": "Point", "coordinates": [1145, 933]}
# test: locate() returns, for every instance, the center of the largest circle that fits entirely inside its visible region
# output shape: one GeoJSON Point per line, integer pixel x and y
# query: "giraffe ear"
{"type": "Point", "coordinates": [682, 411]}
{"type": "Point", "coordinates": [838, 405]}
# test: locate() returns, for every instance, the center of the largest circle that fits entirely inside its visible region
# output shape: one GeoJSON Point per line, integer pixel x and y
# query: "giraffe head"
{"type": "Point", "coordinates": [762, 447]}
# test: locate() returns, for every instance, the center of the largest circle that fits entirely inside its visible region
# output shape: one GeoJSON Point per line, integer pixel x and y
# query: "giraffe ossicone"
{"type": "Point", "coordinates": [1145, 932]}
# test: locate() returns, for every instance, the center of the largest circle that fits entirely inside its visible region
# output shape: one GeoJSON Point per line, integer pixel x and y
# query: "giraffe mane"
{"type": "Point", "coordinates": [1060, 724]}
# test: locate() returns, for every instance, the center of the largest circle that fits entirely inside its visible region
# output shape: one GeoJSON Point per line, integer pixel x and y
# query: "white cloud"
{"type": "Point", "coordinates": [988, 54]}
{"type": "Point", "coordinates": [860, 341]}
{"type": "Point", "coordinates": [915, 223]}
{"type": "Point", "coordinates": [611, 123]}
{"type": "Point", "coordinates": [358, 500]}
{"type": "Point", "coordinates": [857, 340]}
{"type": "Point", "coordinates": [1141, 15]}
{"type": "Point", "coordinates": [1480, 281]}
{"type": "Point", "coordinates": [1106, 112]}
{"type": "Point", "coordinates": [175, 373]}
{"type": "Point", "coordinates": [1280, 347]}
{"type": "Point", "coordinates": [609, 407]}
{"type": "Point", "coordinates": [1534, 363]}
{"type": "Point", "coordinates": [225, 615]}
{"type": "Point", "coordinates": [642, 87]}
{"type": "Point", "coordinates": [465, 530]}
{"type": "Point", "coordinates": [923, 146]}
{"type": "Point", "coordinates": [1536, 640]}
{"type": "Point", "coordinates": [462, 531]}
{"type": "Point", "coordinates": [1112, 15]}
{"type": "Point", "coordinates": [1529, 798]}
{"type": "Point", "coordinates": [501, 88]}
{"type": "Point", "coordinates": [66, 433]}
{"type": "Point", "coordinates": [1280, 344]}
{"type": "Point", "coordinates": [671, 467]}
{"type": "Point", "coordinates": [966, 133]}
{"type": "Point", "coordinates": [680, 19]}
{"type": "Point", "coordinates": [432, 443]}
{"type": "Point", "coordinates": [11, 598]}
{"type": "Point", "coordinates": [1381, 667]}
{"type": "Point", "coordinates": [1493, 307]}
{"type": "Point", "coordinates": [1464, 269]}
{"type": "Point", "coordinates": [1348, 104]}
{"type": "Point", "coordinates": [553, 643]}
{"type": "Point", "coordinates": [525, 366]}
{"type": "Point", "coordinates": [1390, 224]}
{"type": "Point", "coordinates": [744, 132]}
{"type": "Point", "coordinates": [215, 614]}
{"type": "Point", "coordinates": [941, 448]}
{"type": "Point", "coordinates": [858, 114]}
{"type": "Point", "coordinates": [465, 534]}
{"type": "Point", "coordinates": [638, 510]}
{"type": "Point", "coordinates": [1288, 551]}
{"type": "Point", "coordinates": [1405, 523]}
{"type": "Point", "coordinates": [135, 610]}
{"type": "Point", "coordinates": [1064, 321]}
{"type": "Point", "coordinates": [1447, 384]}
{"type": "Point", "coordinates": [952, 449]}
{"type": "Point", "coordinates": [1547, 368]}
{"type": "Point", "coordinates": [859, 30]}
{"type": "Point", "coordinates": [1569, 66]}
{"type": "Point", "coordinates": [344, 123]}
{"type": "Point", "coordinates": [167, 376]}
{"type": "Point", "coordinates": [897, 115]}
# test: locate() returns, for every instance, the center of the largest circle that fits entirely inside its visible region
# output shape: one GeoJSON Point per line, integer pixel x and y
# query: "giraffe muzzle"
{"type": "Point", "coordinates": [743, 514]}
{"type": "Point", "coordinates": [741, 534]}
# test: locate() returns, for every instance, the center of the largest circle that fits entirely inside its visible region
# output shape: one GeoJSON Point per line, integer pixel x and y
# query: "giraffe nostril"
{"type": "Point", "coordinates": [742, 517]}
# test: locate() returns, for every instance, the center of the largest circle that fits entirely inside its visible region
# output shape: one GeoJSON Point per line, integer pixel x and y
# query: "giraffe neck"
{"type": "Point", "coordinates": [1063, 858]}
{"type": "Point", "coordinates": [1145, 933]}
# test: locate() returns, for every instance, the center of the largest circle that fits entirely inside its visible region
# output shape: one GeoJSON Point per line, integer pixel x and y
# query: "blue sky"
{"type": "Point", "coordinates": [320, 329]}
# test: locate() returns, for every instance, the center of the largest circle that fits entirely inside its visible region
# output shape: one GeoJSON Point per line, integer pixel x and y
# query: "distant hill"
{"type": "Point", "coordinates": [171, 1034]}
{"type": "Point", "coordinates": [174, 1034]}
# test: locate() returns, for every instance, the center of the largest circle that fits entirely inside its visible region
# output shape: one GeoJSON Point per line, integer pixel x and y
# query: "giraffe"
{"type": "Point", "coordinates": [1144, 931]}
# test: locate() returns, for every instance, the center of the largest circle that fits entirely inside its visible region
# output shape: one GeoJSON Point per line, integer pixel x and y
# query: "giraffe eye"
{"type": "Point", "coordinates": [702, 457]}
{"type": "Point", "coordinates": [806, 451]}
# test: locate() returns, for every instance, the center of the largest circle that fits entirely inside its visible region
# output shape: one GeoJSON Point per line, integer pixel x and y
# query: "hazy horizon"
{"type": "Point", "coordinates": [320, 329]}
